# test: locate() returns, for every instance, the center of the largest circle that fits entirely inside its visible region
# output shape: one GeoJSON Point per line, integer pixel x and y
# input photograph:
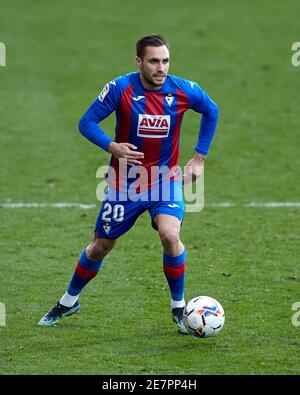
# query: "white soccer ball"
{"type": "Point", "coordinates": [203, 316]}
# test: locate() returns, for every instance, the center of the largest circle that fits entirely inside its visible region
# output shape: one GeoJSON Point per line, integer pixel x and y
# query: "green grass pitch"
{"type": "Point", "coordinates": [59, 55]}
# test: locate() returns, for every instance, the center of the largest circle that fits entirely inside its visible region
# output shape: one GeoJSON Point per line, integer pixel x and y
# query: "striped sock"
{"type": "Point", "coordinates": [174, 269]}
{"type": "Point", "coordinates": [85, 270]}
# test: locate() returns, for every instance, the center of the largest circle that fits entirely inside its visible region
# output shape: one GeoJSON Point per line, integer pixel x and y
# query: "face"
{"type": "Point", "coordinates": [154, 67]}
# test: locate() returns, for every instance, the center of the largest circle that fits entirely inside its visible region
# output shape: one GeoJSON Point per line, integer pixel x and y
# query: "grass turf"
{"type": "Point", "coordinates": [59, 56]}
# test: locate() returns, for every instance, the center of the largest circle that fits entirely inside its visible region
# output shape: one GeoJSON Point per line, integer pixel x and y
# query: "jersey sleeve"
{"type": "Point", "coordinates": [101, 108]}
{"type": "Point", "coordinates": [200, 102]}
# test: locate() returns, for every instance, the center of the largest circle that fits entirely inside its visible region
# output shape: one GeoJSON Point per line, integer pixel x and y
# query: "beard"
{"type": "Point", "coordinates": [151, 81]}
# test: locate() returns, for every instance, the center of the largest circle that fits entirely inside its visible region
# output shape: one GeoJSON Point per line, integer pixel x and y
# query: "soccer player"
{"type": "Point", "coordinates": [149, 106]}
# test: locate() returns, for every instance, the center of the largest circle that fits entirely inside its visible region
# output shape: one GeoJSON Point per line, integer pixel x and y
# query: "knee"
{"type": "Point", "coordinates": [99, 248]}
{"type": "Point", "coordinates": [169, 237]}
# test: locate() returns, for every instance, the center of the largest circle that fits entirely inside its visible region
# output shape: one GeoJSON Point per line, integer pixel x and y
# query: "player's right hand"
{"type": "Point", "coordinates": [126, 151]}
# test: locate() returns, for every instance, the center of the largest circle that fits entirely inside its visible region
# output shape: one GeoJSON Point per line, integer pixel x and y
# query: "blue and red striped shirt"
{"type": "Point", "coordinates": [150, 119]}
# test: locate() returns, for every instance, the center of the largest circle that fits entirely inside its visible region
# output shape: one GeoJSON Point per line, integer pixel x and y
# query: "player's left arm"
{"type": "Point", "coordinates": [200, 102]}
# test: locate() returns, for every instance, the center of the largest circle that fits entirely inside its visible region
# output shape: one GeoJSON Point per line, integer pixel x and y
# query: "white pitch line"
{"type": "Point", "coordinates": [273, 204]}
{"type": "Point", "coordinates": [254, 204]}
{"type": "Point", "coordinates": [221, 205]}
{"type": "Point", "coordinates": [93, 206]}
{"type": "Point", "coordinates": [47, 205]}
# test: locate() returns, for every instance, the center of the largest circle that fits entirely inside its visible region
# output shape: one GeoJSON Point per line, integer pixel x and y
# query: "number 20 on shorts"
{"type": "Point", "coordinates": [115, 213]}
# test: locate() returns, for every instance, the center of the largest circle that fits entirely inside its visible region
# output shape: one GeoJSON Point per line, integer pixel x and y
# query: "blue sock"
{"type": "Point", "coordinates": [85, 270]}
{"type": "Point", "coordinates": [174, 269]}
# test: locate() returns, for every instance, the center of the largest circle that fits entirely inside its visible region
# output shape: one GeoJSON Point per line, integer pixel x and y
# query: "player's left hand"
{"type": "Point", "coordinates": [193, 169]}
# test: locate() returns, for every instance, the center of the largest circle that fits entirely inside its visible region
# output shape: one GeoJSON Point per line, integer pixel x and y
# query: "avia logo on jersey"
{"type": "Point", "coordinates": [153, 126]}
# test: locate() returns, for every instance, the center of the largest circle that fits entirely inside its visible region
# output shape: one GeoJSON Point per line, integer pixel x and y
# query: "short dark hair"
{"type": "Point", "coordinates": [152, 40]}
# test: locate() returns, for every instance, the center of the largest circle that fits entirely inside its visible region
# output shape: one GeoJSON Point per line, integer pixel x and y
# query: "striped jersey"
{"type": "Point", "coordinates": [150, 119]}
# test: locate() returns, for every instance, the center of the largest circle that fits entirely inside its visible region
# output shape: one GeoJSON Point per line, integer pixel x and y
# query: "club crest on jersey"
{"type": "Point", "coordinates": [169, 99]}
{"type": "Point", "coordinates": [104, 92]}
{"type": "Point", "coordinates": [153, 126]}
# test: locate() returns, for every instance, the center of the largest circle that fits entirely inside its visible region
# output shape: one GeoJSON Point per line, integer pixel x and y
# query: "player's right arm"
{"type": "Point", "coordinates": [107, 102]}
{"type": "Point", "coordinates": [101, 108]}
{"type": "Point", "coordinates": [126, 151]}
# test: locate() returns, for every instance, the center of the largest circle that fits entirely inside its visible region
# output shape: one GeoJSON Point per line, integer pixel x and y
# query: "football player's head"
{"type": "Point", "coordinates": [152, 59]}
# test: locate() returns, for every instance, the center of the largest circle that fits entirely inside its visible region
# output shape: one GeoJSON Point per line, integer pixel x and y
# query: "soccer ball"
{"type": "Point", "coordinates": [203, 316]}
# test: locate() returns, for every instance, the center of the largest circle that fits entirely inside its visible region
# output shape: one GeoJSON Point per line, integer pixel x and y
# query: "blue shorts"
{"type": "Point", "coordinates": [118, 215]}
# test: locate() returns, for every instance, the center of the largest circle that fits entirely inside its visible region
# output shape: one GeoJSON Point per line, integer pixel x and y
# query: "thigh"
{"type": "Point", "coordinates": [173, 206]}
{"type": "Point", "coordinates": [167, 224]}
